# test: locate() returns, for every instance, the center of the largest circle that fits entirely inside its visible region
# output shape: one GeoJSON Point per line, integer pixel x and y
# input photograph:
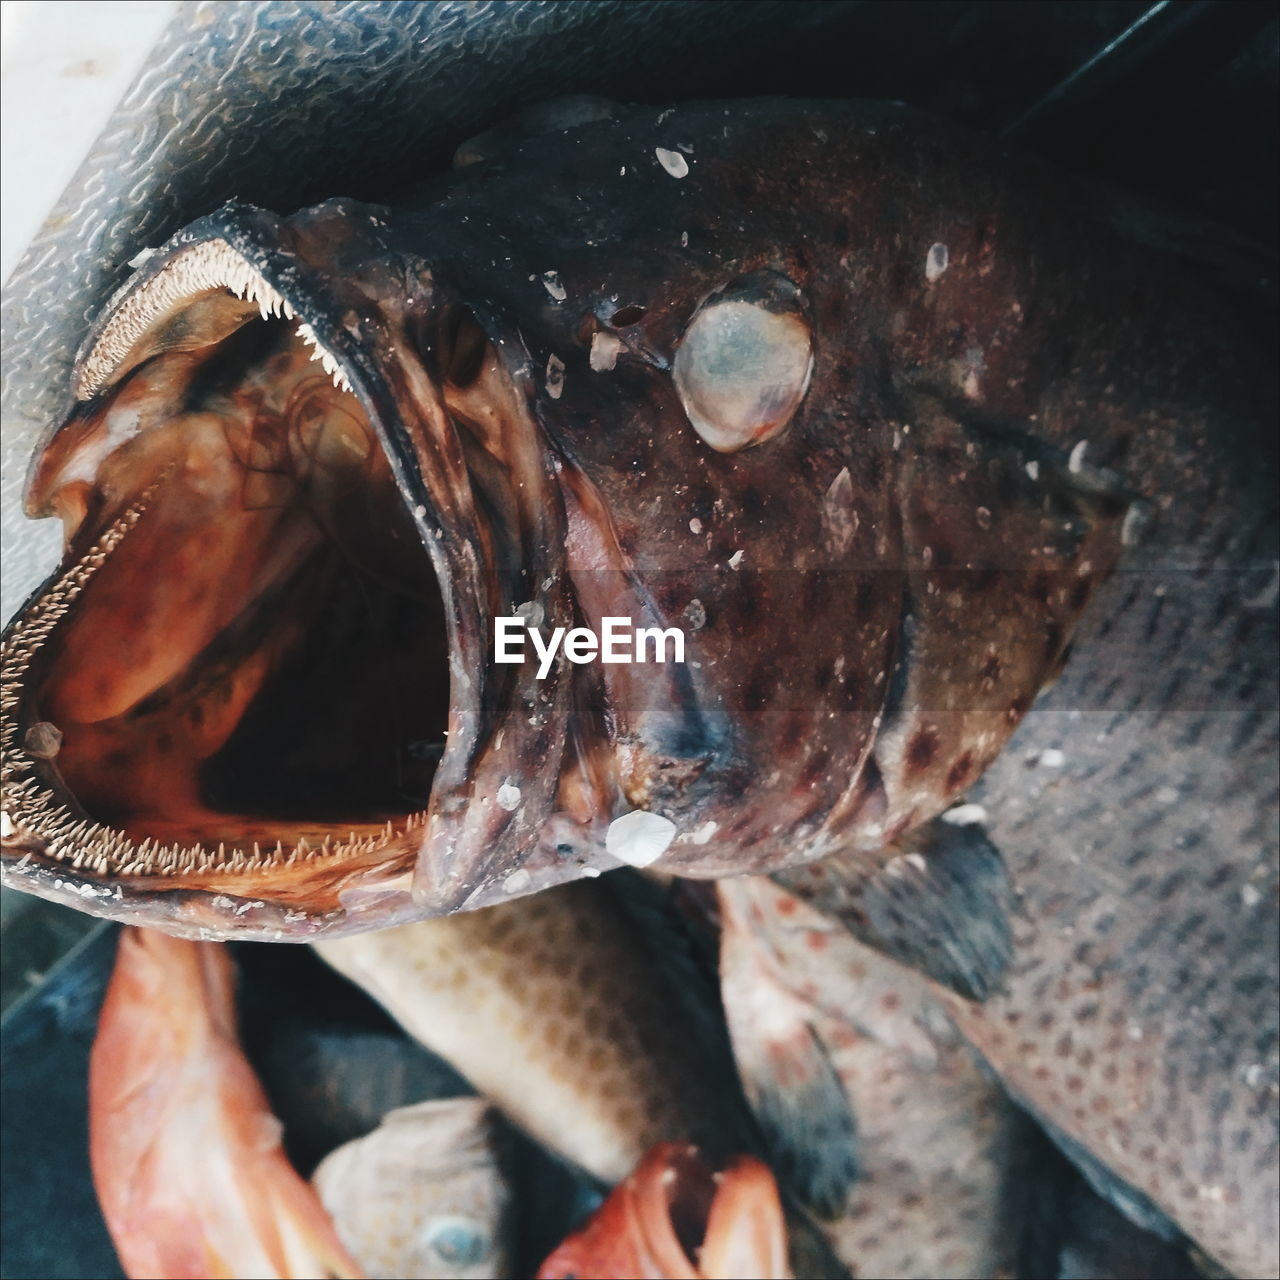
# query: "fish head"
{"type": "Point", "coordinates": [664, 368]}
{"type": "Point", "coordinates": [674, 1219]}
{"type": "Point", "coordinates": [423, 1194]}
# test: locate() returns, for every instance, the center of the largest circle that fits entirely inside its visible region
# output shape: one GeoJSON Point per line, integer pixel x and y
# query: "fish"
{"type": "Point", "coordinates": [186, 1154]}
{"type": "Point", "coordinates": [424, 1195]}
{"type": "Point", "coordinates": [911, 1156]}
{"type": "Point", "coordinates": [571, 1012]}
{"type": "Point", "coordinates": [310, 461]}
{"type": "Point", "coordinates": [673, 1219]}
{"type": "Point", "coordinates": [1135, 1018]}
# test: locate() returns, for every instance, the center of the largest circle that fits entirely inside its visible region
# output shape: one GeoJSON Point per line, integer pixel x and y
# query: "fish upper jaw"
{"type": "Point", "coordinates": [436, 435]}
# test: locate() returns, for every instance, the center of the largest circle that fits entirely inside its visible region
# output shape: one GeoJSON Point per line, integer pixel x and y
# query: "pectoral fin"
{"type": "Point", "coordinates": [941, 904]}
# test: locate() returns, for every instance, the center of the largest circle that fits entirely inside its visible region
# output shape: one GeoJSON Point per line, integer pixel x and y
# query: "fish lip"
{"type": "Point", "coordinates": [452, 860]}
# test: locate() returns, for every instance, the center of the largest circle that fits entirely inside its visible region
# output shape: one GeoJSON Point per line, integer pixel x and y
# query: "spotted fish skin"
{"type": "Point", "coordinates": [873, 591]}
{"type": "Point", "coordinates": [927, 1176]}
{"type": "Point", "coordinates": [1140, 1012]}
{"type": "Point", "coordinates": [567, 1011]}
{"type": "Point", "coordinates": [1135, 810]}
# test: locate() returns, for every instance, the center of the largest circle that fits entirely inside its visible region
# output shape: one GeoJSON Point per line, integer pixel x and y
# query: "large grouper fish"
{"type": "Point", "coordinates": [864, 407]}
{"type": "Point", "coordinates": [896, 428]}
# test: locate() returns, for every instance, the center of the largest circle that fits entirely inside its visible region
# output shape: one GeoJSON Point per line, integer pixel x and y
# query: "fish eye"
{"type": "Point", "coordinates": [458, 1242]}
{"type": "Point", "coordinates": [744, 362]}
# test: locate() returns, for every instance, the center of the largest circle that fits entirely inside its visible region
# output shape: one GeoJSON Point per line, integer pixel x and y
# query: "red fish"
{"type": "Point", "coordinates": [186, 1154]}
{"type": "Point", "coordinates": [673, 1219]}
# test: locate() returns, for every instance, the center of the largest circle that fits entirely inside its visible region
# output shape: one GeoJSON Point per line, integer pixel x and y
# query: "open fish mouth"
{"type": "Point", "coordinates": [240, 676]}
{"type": "Point", "coordinates": [310, 462]}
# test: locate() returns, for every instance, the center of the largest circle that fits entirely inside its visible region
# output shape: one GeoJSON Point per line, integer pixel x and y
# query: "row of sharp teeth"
{"type": "Point", "coordinates": [28, 808]}
{"type": "Point", "coordinates": [198, 268]}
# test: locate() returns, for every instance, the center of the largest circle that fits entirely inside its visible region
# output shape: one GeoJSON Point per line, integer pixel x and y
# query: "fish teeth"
{"type": "Point", "coordinates": [192, 269]}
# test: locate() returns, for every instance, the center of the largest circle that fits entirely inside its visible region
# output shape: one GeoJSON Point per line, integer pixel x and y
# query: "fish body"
{"type": "Point", "coordinates": [877, 1114]}
{"type": "Point", "coordinates": [672, 1219]}
{"type": "Point", "coordinates": [586, 378]}
{"type": "Point", "coordinates": [423, 1195]}
{"type": "Point", "coordinates": [186, 1153]}
{"type": "Point", "coordinates": [568, 1015]}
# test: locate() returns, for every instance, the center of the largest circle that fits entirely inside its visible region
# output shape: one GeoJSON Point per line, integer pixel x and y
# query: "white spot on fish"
{"type": "Point", "coordinates": [684, 239]}
{"type": "Point", "coordinates": [551, 283]}
{"type": "Point", "coordinates": [965, 815]}
{"type": "Point", "coordinates": [1253, 1075]}
{"type": "Point", "coordinates": [1249, 895]}
{"type": "Point", "coordinates": [1131, 528]}
{"type": "Point", "coordinates": [591, 872]}
{"type": "Point", "coordinates": [695, 525]}
{"type": "Point", "coordinates": [672, 161]}
{"type": "Point", "coordinates": [1033, 469]}
{"type": "Point", "coordinates": [1167, 795]}
{"type": "Point", "coordinates": [695, 615]}
{"type": "Point", "coordinates": [735, 560]}
{"type": "Point", "coordinates": [1075, 462]}
{"type": "Point", "coordinates": [420, 511]}
{"type": "Point", "coordinates": [935, 261]}
{"type": "Point", "coordinates": [639, 838]}
{"type": "Point", "coordinates": [704, 833]}
{"type": "Point", "coordinates": [517, 881]}
{"type": "Point", "coordinates": [508, 797]}
{"type": "Point", "coordinates": [605, 348]}
{"type": "Point", "coordinates": [555, 377]}
{"type": "Point", "coordinates": [1135, 1032]}
{"type": "Point", "coordinates": [1051, 758]}
{"type": "Point", "coordinates": [839, 513]}
{"type": "Point", "coordinates": [532, 612]}
{"type": "Point", "coordinates": [622, 173]}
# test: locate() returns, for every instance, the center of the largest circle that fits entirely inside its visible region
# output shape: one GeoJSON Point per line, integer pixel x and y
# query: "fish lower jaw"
{"type": "Point", "coordinates": [42, 824]}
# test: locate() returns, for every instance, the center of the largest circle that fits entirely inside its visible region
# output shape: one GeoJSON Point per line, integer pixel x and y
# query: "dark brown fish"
{"type": "Point", "coordinates": [259, 698]}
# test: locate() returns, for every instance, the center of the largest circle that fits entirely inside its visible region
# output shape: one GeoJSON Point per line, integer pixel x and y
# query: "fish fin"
{"type": "Point", "coordinates": [798, 1100]}
{"type": "Point", "coordinates": [804, 1112]}
{"type": "Point", "coordinates": [941, 903]}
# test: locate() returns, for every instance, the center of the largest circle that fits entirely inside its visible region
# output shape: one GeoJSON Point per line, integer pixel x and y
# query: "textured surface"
{"type": "Point", "coordinates": [1140, 1016]}
{"type": "Point", "coordinates": [285, 103]}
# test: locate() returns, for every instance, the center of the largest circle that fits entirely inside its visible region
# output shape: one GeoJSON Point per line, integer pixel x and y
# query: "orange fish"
{"type": "Point", "coordinates": [673, 1219]}
{"type": "Point", "coordinates": [186, 1154]}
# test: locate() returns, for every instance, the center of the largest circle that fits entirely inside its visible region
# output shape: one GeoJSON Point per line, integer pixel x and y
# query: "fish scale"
{"type": "Point", "coordinates": [1139, 1016]}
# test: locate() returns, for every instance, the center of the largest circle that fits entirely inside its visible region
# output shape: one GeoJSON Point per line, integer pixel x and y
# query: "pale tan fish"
{"type": "Point", "coordinates": [571, 1013]}
{"type": "Point", "coordinates": [424, 1196]}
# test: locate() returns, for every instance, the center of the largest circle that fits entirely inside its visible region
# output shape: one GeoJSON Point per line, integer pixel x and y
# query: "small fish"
{"type": "Point", "coordinates": [705, 368]}
{"type": "Point", "coordinates": [186, 1154]}
{"type": "Point", "coordinates": [673, 1219]}
{"type": "Point", "coordinates": [423, 1196]}
{"type": "Point", "coordinates": [878, 1115]}
{"type": "Point", "coordinates": [572, 1014]}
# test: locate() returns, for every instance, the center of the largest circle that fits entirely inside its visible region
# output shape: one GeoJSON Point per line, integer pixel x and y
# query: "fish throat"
{"type": "Point", "coordinates": [244, 664]}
